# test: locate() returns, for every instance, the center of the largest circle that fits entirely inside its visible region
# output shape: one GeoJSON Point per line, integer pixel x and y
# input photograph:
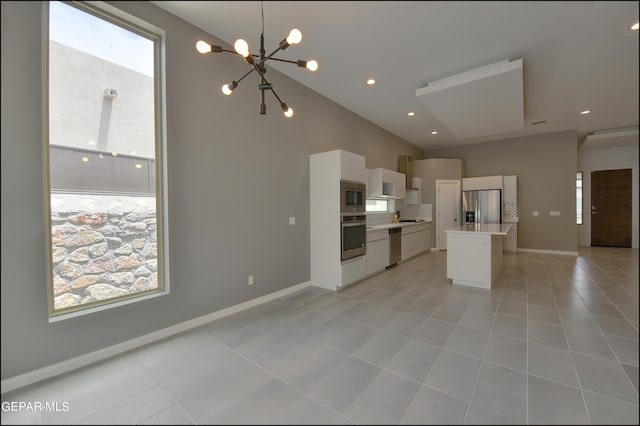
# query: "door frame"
{"type": "Point", "coordinates": [591, 210]}
{"type": "Point", "coordinates": [441, 237]}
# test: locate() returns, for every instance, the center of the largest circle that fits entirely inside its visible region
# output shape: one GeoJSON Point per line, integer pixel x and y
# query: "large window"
{"type": "Point", "coordinates": [579, 198]}
{"type": "Point", "coordinates": [105, 159]}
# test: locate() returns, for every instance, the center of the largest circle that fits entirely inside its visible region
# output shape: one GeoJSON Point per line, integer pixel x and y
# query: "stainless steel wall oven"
{"type": "Point", "coordinates": [353, 239]}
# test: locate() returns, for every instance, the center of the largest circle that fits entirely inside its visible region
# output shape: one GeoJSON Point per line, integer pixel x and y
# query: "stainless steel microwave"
{"type": "Point", "coordinates": [352, 197]}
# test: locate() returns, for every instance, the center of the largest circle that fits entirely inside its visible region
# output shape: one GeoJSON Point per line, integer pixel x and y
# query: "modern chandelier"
{"type": "Point", "coordinates": [257, 63]}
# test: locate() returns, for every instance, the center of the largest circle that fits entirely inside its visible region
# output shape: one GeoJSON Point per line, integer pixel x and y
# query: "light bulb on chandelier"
{"type": "Point", "coordinates": [241, 47]}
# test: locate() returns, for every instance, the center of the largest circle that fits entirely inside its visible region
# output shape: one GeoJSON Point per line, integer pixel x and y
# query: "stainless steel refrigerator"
{"type": "Point", "coordinates": [482, 206]}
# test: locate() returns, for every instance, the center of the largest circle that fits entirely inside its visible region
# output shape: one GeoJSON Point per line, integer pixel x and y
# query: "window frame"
{"type": "Point", "coordinates": [390, 202]}
{"type": "Point", "coordinates": [118, 17]}
{"type": "Point", "coordinates": [580, 218]}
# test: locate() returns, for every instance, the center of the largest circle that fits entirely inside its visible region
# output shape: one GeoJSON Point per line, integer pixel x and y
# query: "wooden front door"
{"type": "Point", "coordinates": [611, 208]}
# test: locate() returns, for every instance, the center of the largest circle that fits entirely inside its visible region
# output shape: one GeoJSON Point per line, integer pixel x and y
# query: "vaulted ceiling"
{"type": "Point", "coordinates": [574, 56]}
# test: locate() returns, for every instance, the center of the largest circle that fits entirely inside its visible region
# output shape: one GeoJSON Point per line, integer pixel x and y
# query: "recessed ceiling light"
{"type": "Point", "coordinates": [635, 26]}
{"type": "Point", "coordinates": [371, 82]}
{"type": "Point", "coordinates": [411, 114]}
{"type": "Point", "coordinates": [435, 132]}
{"type": "Point", "coordinates": [585, 112]}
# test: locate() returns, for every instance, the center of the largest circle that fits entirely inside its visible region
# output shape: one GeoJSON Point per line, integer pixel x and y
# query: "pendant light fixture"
{"type": "Point", "coordinates": [257, 63]}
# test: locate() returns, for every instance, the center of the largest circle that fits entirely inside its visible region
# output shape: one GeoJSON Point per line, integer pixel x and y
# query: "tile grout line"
{"type": "Point", "coordinates": [573, 362]}
{"type": "Point", "coordinates": [302, 392]}
{"type": "Point", "coordinates": [484, 353]}
{"type": "Point", "coordinates": [604, 335]}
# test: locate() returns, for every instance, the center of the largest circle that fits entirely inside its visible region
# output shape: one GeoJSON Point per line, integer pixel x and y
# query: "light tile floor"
{"type": "Point", "coordinates": [554, 341]}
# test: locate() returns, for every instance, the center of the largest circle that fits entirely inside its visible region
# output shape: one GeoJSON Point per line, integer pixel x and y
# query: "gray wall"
{"type": "Point", "coordinates": [235, 177]}
{"type": "Point", "coordinates": [546, 167]}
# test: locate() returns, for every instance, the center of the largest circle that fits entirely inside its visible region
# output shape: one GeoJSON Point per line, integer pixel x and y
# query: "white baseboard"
{"type": "Point", "coordinates": [49, 371]}
{"type": "Point", "coordinates": [322, 284]}
{"type": "Point", "coordinates": [526, 250]}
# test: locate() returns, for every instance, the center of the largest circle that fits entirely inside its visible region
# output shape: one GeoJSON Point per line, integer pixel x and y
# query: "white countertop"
{"type": "Point", "coordinates": [394, 225]}
{"type": "Point", "coordinates": [484, 228]}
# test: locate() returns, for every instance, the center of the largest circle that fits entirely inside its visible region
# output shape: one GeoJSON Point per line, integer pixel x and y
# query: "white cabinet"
{"type": "Point", "coordinates": [377, 258]}
{"type": "Point", "coordinates": [352, 167]}
{"type": "Point", "coordinates": [427, 233]}
{"type": "Point", "coordinates": [511, 240]}
{"type": "Point", "coordinates": [386, 183]}
{"type": "Point", "coordinates": [326, 169]}
{"type": "Point", "coordinates": [353, 270]}
{"type": "Point", "coordinates": [483, 182]}
{"type": "Point", "coordinates": [415, 240]}
{"type": "Point", "coordinates": [510, 199]}
{"type": "Point", "coordinates": [510, 185]}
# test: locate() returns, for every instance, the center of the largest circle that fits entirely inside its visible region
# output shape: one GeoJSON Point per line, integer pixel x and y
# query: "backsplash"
{"type": "Point", "coordinates": [510, 210]}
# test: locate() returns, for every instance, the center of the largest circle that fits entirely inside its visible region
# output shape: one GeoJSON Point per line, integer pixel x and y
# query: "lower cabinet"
{"type": "Point", "coordinates": [415, 240]}
{"type": "Point", "coordinates": [353, 270]}
{"type": "Point", "coordinates": [511, 240]}
{"type": "Point", "coordinates": [377, 257]}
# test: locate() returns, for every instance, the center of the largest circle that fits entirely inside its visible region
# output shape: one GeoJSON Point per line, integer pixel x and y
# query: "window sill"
{"type": "Point", "coordinates": [89, 311]}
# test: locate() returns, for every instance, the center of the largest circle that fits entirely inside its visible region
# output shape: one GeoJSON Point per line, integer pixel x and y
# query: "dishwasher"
{"type": "Point", "coordinates": [395, 245]}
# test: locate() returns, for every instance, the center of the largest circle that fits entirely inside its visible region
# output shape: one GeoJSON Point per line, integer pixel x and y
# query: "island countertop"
{"type": "Point", "coordinates": [483, 228]}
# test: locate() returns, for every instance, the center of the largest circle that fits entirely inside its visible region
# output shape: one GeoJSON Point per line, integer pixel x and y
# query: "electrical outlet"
{"type": "Point", "coordinates": [536, 213]}
{"type": "Point", "coordinates": [250, 280]}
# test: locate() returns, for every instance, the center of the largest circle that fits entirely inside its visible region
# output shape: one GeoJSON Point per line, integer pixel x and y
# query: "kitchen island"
{"type": "Point", "coordinates": [474, 253]}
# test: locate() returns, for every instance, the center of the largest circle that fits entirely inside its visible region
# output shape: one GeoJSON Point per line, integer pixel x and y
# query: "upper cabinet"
{"type": "Point", "coordinates": [510, 202]}
{"type": "Point", "coordinates": [352, 166]}
{"type": "Point", "coordinates": [510, 184]}
{"type": "Point", "coordinates": [483, 182]}
{"type": "Point", "coordinates": [385, 183]}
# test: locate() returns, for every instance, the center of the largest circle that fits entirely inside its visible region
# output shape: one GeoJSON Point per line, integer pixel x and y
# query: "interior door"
{"type": "Point", "coordinates": [447, 209]}
{"type": "Point", "coordinates": [611, 208]}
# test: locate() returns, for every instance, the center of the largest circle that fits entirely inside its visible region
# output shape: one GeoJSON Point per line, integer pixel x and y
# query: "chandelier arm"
{"type": "Point", "coordinates": [257, 68]}
{"type": "Point", "coordinates": [246, 74]}
{"type": "Point", "coordinates": [284, 60]}
{"type": "Point", "coordinates": [276, 95]}
{"type": "Point", "coordinates": [270, 56]}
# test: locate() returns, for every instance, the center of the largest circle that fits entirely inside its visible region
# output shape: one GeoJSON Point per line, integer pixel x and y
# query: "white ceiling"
{"type": "Point", "coordinates": [576, 55]}
{"type": "Point", "coordinates": [460, 101]}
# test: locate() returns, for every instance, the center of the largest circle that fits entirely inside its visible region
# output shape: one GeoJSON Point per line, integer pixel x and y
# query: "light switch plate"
{"type": "Point", "coordinates": [554, 213]}
{"type": "Point", "coordinates": [292, 220]}
{"type": "Point", "coordinates": [536, 213]}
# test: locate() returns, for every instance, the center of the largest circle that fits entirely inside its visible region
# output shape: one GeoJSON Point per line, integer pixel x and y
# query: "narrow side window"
{"type": "Point", "coordinates": [579, 198]}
